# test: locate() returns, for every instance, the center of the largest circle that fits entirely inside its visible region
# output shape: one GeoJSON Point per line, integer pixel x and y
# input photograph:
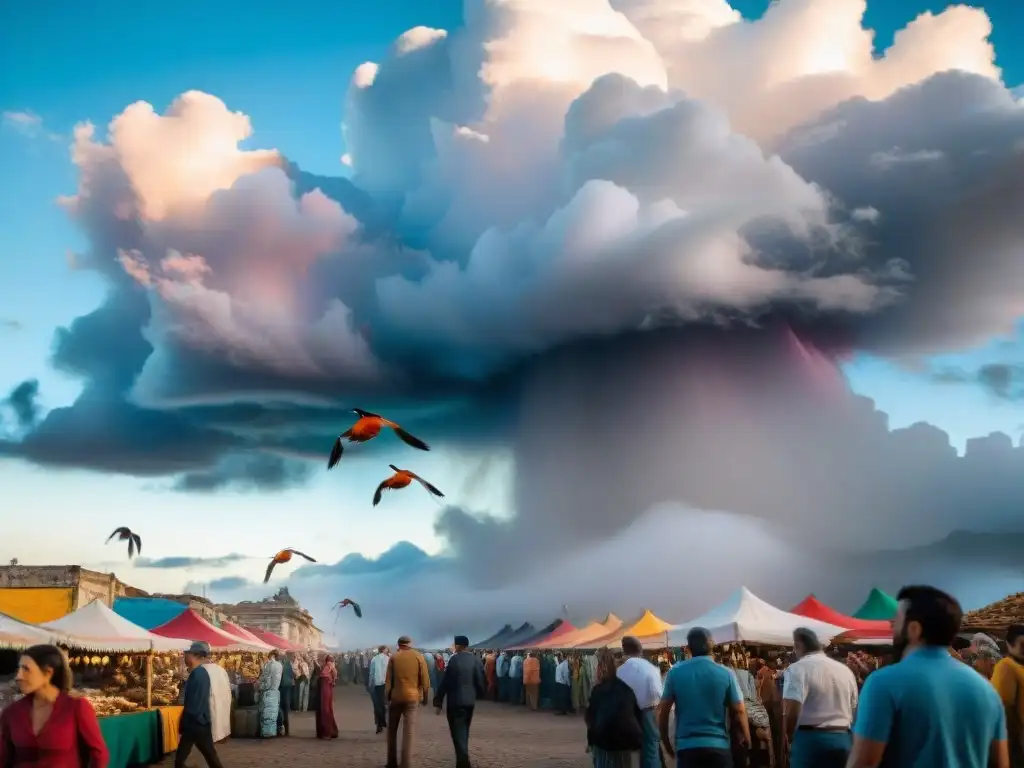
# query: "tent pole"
{"type": "Point", "coordinates": [149, 680]}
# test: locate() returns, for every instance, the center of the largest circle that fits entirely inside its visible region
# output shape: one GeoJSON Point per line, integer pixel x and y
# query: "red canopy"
{"type": "Point", "coordinates": [189, 625]}
{"type": "Point", "coordinates": [813, 608]}
{"type": "Point", "coordinates": [563, 628]}
{"type": "Point", "coordinates": [275, 640]}
{"type": "Point", "coordinates": [863, 637]}
{"type": "Point", "coordinates": [243, 634]}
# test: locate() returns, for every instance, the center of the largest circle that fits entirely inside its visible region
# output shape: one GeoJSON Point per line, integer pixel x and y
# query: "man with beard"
{"type": "Point", "coordinates": [928, 710]}
{"type": "Point", "coordinates": [1008, 680]}
{"type": "Point", "coordinates": [819, 699]}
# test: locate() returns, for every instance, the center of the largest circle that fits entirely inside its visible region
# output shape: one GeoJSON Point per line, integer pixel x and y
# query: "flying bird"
{"type": "Point", "coordinates": [401, 479]}
{"type": "Point", "coordinates": [133, 539]}
{"type": "Point", "coordinates": [284, 556]}
{"type": "Point", "coordinates": [355, 607]}
{"type": "Point", "coordinates": [367, 427]}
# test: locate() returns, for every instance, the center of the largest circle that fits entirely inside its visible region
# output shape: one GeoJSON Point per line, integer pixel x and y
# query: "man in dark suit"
{"type": "Point", "coordinates": [463, 683]}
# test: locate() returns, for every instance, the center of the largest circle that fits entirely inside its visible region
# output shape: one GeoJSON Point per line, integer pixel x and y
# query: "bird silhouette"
{"type": "Point", "coordinates": [367, 427]}
{"type": "Point", "coordinates": [401, 479]}
{"type": "Point", "coordinates": [133, 539]}
{"type": "Point", "coordinates": [355, 607]}
{"type": "Point", "coordinates": [284, 556]}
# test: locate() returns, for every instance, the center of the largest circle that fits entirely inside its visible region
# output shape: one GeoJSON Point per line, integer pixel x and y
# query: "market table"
{"type": "Point", "coordinates": [170, 719]}
{"type": "Point", "coordinates": [133, 739]}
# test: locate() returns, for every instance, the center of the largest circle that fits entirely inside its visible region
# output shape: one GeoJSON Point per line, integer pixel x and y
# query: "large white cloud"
{"type": "Point", "coordinates": [546, 174]}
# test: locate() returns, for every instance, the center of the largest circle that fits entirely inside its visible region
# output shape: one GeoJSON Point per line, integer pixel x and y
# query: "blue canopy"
{"type": "Point", "coordinates": [148, 612]}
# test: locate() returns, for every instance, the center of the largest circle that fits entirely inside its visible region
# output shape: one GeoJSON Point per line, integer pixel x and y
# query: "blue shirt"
{"type": "Point", "coordinates": [196, 699]}
{"type": "Point", "coordinates": [379, 670]}
{"type": "Point", "coordinates": [701, 690]}
{"type": "Point", "coordinates": [932, 711]}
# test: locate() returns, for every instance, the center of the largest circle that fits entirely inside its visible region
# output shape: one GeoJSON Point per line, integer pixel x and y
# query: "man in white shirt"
{"type": "Point", "coordinates": [563, 687]}
{"type": "Point", "coordinates": [819, 699]}
{"type": "Point", "coordinates": [377, 674]}
{"type": "Point", "coordinates": [645, 680]}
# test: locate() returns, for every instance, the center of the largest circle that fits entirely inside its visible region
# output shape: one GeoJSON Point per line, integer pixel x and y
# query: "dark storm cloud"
{"type": "Point", "coordinates": [189, 562]}
{"type": "Point", "coordinates": [24, 402]}
{"type": "Point", "coordinates": [254, 472]}
{"type": "Point", "coordinates": [1003, 380]}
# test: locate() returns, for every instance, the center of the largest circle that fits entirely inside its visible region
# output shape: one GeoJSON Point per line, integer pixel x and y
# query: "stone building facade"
{"type": "Point", "coordinates": [280, 614]}
{"type": "Point", "coordinates": [86, 585]}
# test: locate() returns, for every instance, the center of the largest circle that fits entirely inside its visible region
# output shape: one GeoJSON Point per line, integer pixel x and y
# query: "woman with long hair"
{"type": "Point", "coordinates": [615, 729]}
{"type": "Point", "coordinates": [326, 725]}
{"type": "Point", "coordinates": [49, 728]}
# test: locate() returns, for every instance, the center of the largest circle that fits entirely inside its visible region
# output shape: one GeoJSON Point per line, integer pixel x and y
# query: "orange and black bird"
{"type": "Point", "coordinates": [133, 539]}
{"type": "Point", "coordinates": [284, 556]}
{"type": "Point", "coordinates": [355, 607]}
{"type": "Point", "coordinates": [367, 427]}
{"type": "Point", "coordinates": [401, 479]}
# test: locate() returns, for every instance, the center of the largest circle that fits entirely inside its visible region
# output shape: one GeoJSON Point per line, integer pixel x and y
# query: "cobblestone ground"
{"type": "Point", "coordinates": [503, 736]}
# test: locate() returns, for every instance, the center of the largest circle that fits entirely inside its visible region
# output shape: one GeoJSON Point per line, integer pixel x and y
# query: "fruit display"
{"type": "Point", "coordinates": [106, 705]}
{"type": "Point", "coordinates": [117, 684]}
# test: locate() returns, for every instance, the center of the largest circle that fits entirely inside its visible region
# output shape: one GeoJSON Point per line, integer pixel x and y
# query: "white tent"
{"type": "Point", "coordinates": [96, 627]}
{"type": "Point", "coordinates": [746, 618]}
{"type": "Point", "coordinates": [18, 634]}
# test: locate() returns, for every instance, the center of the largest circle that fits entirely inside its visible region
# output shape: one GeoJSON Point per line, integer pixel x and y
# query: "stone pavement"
{"type": "Point", "coordinates": [503, 736]}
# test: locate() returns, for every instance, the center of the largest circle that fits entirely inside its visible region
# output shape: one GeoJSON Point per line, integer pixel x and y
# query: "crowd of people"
{"type": "Point", "coordinates": [717, 706]}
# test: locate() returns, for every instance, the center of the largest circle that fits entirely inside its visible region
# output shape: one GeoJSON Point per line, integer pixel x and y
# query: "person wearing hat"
{"type": "Point", "coordinates": [196, 725]}
{"type": "Point", "coordinates": [406, 686]}
{"type": "Point", "coordinates": [462, 684]}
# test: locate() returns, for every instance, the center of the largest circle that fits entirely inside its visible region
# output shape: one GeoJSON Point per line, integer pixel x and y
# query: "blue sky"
{"type": "Point", "coordinates": [288, 71]}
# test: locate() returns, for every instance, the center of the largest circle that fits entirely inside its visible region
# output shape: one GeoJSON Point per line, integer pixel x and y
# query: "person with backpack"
{"type": "Point", "coordinates": [615, 730]}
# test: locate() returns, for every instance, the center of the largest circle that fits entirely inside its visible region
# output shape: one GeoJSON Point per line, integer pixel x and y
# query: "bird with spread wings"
{"type": "Point", "coordinates": [401, 479]}
{"type": "Point", "coordinates": [284, 556]}
{"type": "Point", "coordinates": [367, 427]}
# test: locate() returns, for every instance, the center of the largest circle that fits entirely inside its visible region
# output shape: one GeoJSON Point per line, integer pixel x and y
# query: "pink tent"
{"type": "Point", "coordinates": [189, 625]}
{"type": "Point", "coordinates": [275, 640]}
{"type": "Point", "coordinates": [244, 635]}
{"type": "Point", "coordinates": [563, 628]}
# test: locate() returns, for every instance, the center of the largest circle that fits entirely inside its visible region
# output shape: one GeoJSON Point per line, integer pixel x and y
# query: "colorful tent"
{"type": "Point", "coordinates": [591, 631]}
{"type": "Point", "coordinates": [878, 607]}
{"type": "Point", "coordinates": [561, 629]}
{"type": "Point", "coordinates": [269, 638]}
{"type": "Point", "coordinates": [744, 617]}
{"type": "Point", "coordinates": [97, 628]}
{"type": "Point", "coordinates": [649, 629]}
{"type": "Point", "coordinates": [813, 608]}
{"type": "Point", "coordinates": [244, 634]}
{"type": "Point", "coordinates": [37, 605]}
{"type": "Point", "coordinates": [526, 631]}
{"type": "Point", "coordinates": [189, 625]}
{"type": "Point", "coordinates": [18, 634]}
{"type": "Point", "coordinates": [497, 638]}
{"type": "Point", "coordinates": [148, 612]}
{"type": "Point", "coordinates": [529, 640]}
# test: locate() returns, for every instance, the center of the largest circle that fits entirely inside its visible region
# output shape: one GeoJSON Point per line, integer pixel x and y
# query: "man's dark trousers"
{"type": "Point", "coordinates": [283, 726]}
{"type": "Point", "coordinates": [380, 718]}
{"type": "Point", "coordinates": [200, 737]}
{"type": "Point", "coordinates": [459, 721]}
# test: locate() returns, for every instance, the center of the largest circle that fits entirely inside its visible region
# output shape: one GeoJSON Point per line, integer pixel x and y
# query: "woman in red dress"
{"type": "Point", "coordinates": [326, 725]}
{"type": "Point", "coordinates": [49, 728]}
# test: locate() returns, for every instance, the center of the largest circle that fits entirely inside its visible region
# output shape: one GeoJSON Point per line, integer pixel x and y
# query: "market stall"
{"type": "Point", "coordinates": [878, 606]}
{"type": "Point", "coordinates": [582, 636]}
{"type": "Point", "coordinates": [190, 626]}
{"type": "Point", "coordinates": [650, 630]}
{"type": "Point", "coordinates": [560, 629]}
{"type": "Point", "coordinates": [495, 640]}
{"type": "Point", "coordinates": [746, 618]}
{"type": "Point", "coordinates": [123, 670]}
{"type": "Point", "coordinates": [813, 608]}
{"type": "Point", "coordinates": [272, 639]}
{"type": "Point", "coordinates": [15, 636]}
{"type": "Point", "coordinates": [525, 632]}
{"type": "Point", "coordinates": [245, 635]}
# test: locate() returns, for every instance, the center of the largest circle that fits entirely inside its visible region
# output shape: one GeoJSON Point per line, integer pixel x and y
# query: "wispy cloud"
{"type": "Point", "coordinates": [169, 563]}
{"type": "Point", "coordinates": [28, 124]}
{"type": "Point", "coordinates": [10, 324]}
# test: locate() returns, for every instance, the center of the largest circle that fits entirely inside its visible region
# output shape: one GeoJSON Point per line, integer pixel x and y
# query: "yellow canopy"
{"type": "Point", "coordinates": [37, 605]}
{"type": "Point", "coordinates": [647, 628]}
{"type": "Point", "coordinates": [591, 631]}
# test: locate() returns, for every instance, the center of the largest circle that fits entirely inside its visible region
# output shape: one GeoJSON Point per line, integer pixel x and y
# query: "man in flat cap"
{"type": "Point", "coordinates": [196, 725]}
{"type": "Point", "coordinates": [463, 683]}
{"type": "Point", "coordinates": [406, 686]}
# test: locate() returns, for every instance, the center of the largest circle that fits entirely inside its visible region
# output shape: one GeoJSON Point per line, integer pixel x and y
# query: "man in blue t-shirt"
{"type": "Point", "coordinates": [930, 710]}
{"type": "Point", "coordinates": [704, 693]}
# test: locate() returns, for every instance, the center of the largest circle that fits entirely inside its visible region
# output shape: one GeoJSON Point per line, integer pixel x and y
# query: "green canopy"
{"type": "Point", "coordinates": [878, 607]}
